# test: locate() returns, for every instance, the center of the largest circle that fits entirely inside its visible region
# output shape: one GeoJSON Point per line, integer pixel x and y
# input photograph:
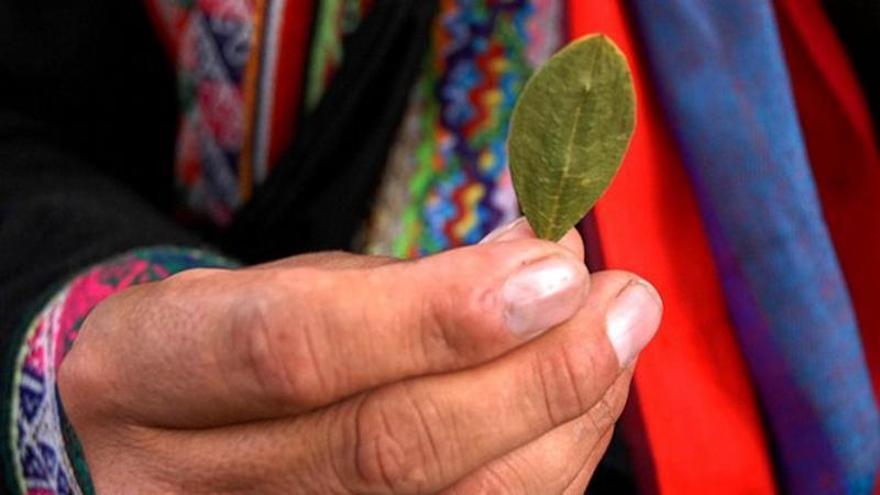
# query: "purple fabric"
{"type": "Point", "coordinates": [722, 79]}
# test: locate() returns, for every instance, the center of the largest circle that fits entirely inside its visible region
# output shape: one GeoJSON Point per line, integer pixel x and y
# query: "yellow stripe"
{"type": "Point", "coordinates": [250, 88]}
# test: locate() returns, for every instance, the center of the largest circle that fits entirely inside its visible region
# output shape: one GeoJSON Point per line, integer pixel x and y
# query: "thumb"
{"type": "Point", "coordinates": [255, 344]}
{"type": "Point", "coordinates": [344, 331]}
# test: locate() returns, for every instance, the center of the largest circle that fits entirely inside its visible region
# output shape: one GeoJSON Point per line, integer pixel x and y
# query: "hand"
{"type": "Point", "coordinates": [336, 373]}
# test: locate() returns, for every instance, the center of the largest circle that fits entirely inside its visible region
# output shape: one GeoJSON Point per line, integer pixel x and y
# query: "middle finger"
{"type": "Point", "coordinates": [554, 462]}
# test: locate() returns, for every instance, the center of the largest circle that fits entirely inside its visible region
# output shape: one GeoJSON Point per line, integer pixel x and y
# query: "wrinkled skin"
{"type": "Point", "coordinates": [337, 373]}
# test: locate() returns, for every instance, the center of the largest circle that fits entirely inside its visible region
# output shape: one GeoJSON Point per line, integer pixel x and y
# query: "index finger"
{"type": "Point", "coordinates": [256, 344]}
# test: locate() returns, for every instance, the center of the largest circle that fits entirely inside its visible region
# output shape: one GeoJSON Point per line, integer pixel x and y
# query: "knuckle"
{"type": "Point", "coordinates": [437, 342]}
{"type": "Point", "coordinates": [396, 448]}
{"type": "Point", "coordinates": [456, 324]}
{"type": "Point", "coordinates": [601, 416]}
{"type": "Point", "coordinates": [254, 339]}
{"type": "Point", "coordinates": [564, 383]}
{"type": "Point", "coordinates": [280, 357]}
{"type": "Point", "coordinates": [605, 413]}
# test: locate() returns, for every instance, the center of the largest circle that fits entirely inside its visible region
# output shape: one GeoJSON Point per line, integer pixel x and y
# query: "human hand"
{"type": "Point", "coordinates": [336, 373]}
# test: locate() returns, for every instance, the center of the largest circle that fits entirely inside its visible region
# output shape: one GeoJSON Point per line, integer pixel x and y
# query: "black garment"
{"type": "Point", "coordinates": [87, 125]}
{"type": "Point", "coordinates": [321, 191]}
{"type": "Point", "coordinates": [87, 129]}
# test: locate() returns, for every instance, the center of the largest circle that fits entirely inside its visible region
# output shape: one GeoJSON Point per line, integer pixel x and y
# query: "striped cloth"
{"type": "Point", "coordinates": [722, 78]}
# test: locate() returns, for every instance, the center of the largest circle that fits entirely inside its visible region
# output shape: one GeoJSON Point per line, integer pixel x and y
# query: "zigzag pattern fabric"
{"type": "Point", "coordinates": [448, 183]}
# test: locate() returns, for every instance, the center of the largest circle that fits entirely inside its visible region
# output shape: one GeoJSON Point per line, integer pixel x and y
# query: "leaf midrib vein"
{"type": "Point", "coordinates": [566, 169]}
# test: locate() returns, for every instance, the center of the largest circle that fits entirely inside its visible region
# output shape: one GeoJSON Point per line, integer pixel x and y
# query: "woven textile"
{"type": "Point", "coordinates": [692, 421]}
{"type": "Point", "coordinates": [724, 84]}
{"type": "Point", "coordinates": [239, 99]}
{"type": "Point", "coordinates": [44, 467]}
{"type": "Point", "coordinates": [448, 183]}
{"type": "Point", "coordinates": [843, 155]}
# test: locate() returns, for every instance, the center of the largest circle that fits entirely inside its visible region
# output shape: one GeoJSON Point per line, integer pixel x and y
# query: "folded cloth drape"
{"type": "Point", "coordinates": [692, 421]}
{"type": "Point", "coordinates": [722, 79]}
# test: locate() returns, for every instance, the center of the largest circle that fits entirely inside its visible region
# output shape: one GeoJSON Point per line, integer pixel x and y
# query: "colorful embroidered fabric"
{"type": "Point", "coordinates": [447, 183]}
{"type": "Point", "coordinates": [233, 125]}
{"type": "Point", "coordinates": [44, 466]}
{"type": "Point", "coordinates": [721, 75]}
{"type": "Point", "coordinates": [239, 98]}
{"type": "Point", "coordinates": [242, 73]}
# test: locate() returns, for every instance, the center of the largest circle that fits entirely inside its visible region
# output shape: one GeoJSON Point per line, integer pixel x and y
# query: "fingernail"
{"type": "Point", "coordinates": [543, 294]}
{"type": "Point", "coordinates": [633, 320]}
{"type": "Point", "coordinates": [502, 232]}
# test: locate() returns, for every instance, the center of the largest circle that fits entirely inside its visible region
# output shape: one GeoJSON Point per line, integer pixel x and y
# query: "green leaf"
{"type": "Point", "coordinates": [569, 132]}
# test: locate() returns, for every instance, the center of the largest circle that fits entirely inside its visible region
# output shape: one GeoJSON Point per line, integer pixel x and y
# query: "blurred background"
{"type": "Point", "coordinates": [750, 195]}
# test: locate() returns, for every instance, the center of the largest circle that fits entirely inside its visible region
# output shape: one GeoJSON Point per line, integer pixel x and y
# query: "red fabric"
{"type": "Point", "coordinates": [843, 153]}
{"type": "Point", "coordinates": [157, 13]}
{"type": "Point", "coordinates": [695, 399]}
{"type": "Point", "coordinates": [292, 56]}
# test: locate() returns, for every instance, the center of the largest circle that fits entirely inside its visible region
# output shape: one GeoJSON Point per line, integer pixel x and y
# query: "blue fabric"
{"type": "Point", "coordinates": [721, 76]}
